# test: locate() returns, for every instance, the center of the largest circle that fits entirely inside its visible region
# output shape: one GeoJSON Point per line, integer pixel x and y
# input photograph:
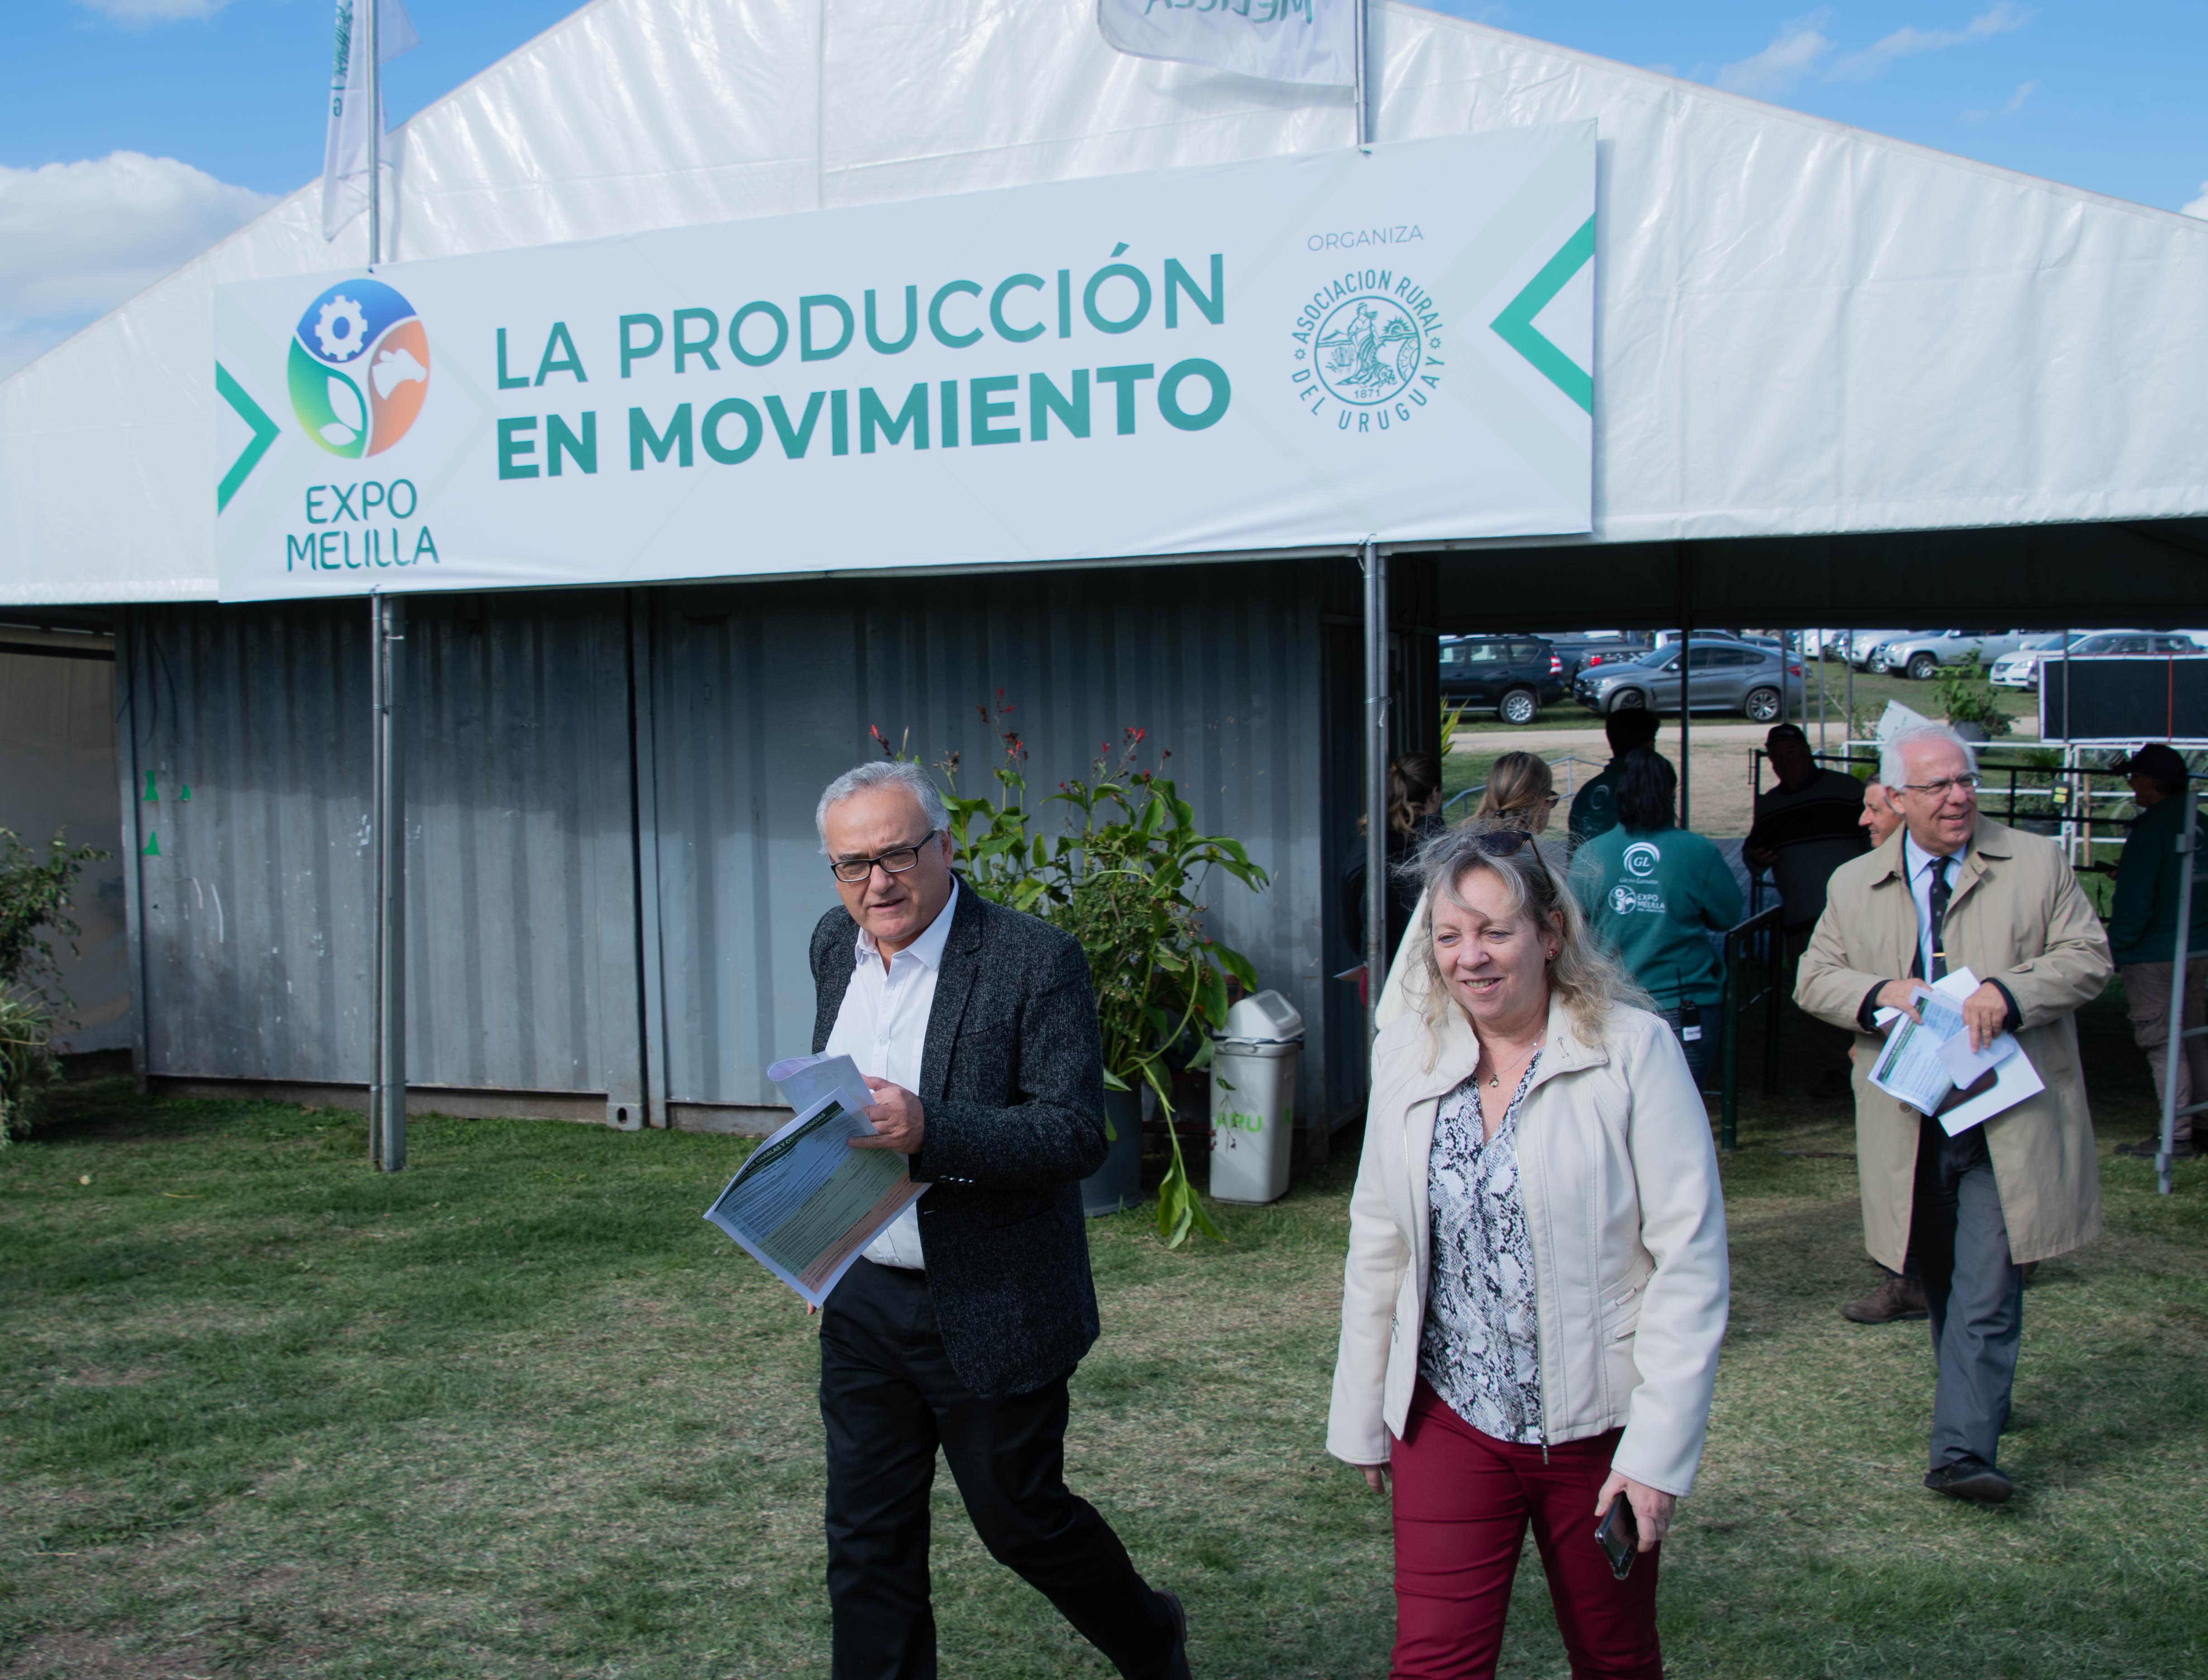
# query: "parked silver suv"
{"type": "Point", "coordinates": [1920, 654]}
{"type": "Point", "coordinates": [1725, 676]}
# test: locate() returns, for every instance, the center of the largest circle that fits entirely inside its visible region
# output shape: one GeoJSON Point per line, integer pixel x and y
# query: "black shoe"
{"type": "Point", "coordinates": [1979, 1484]}
{"type": "Point", "coordinates": [2148, 1147]}
{"type": "Point", "coordinates": [1177, 1669]}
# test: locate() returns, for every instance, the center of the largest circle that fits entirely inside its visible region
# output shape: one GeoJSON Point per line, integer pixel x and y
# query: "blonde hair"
{"type": "Point", "coordinates": [1590, 981]}
{"type": "Point", "coordinates": [1517, 796]}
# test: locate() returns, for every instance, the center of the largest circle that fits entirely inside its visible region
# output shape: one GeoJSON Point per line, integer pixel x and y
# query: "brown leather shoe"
{"type": "Point", "coordinates": [1896, 1299]}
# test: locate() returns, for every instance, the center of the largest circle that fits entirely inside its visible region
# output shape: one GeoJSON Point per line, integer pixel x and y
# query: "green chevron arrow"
{"type": "Point", "coordinates": [1515, 324]}
{"type": "Point", "coordinates": [264, 433]}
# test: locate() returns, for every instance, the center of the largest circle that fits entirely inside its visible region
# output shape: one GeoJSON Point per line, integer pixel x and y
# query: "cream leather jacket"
{"type": "Point", "coordinates": [1627, 1215]}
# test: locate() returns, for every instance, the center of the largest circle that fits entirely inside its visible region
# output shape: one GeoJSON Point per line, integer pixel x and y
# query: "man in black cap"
{"type": "Point", "coordinates": [2143, 937]}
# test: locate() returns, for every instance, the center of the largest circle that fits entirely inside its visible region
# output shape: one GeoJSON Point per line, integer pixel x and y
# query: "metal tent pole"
{"type": "Point", "coordinates": [374, 138]}
{"type": "Point", "coordinates": [1363, 97]}
{"type": "Point", "coordinates": [1852, 685]}
{"type": "Point", "coordinates": [1686, 708]}
{"type": "Point", "coordinates": [1821, 634]}
{"type": "Point", "coordinates": [386, 1092]}
{"type": "Point", "coordinates": [1376, 953]}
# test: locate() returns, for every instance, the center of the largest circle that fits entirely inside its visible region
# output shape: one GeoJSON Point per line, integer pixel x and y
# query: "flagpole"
{"type": "Point", "coordinates": [375, 138]}
{"type": "Point", "coordinates": [1364, 110]}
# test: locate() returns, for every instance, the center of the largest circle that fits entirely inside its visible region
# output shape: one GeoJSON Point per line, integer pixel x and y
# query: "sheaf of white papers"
{"type": "Point", "coordinates": [805, 1204]}
{"type": "Point", "coordinates": [1924, 1063]}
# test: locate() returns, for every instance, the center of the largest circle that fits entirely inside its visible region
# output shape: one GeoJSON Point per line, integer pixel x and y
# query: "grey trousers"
{"type": "Point", "coordinates": [1959, 1244]}
{"type": "Point", "coordinates": [2147, 992]}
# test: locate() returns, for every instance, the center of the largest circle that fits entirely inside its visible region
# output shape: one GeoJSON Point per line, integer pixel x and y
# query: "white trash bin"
{"type": "Point", "coordinates": [1253, 1098]}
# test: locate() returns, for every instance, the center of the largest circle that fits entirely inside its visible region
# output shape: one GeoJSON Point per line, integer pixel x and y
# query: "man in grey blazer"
{"type": "Point", "coordinates": [975, 1027]}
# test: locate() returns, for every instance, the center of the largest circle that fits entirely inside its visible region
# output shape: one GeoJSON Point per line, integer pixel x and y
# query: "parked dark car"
{"type": "Point", "coordinates": [1577, 650]}
{"type": "Point", "coordinates": [1513, 676]}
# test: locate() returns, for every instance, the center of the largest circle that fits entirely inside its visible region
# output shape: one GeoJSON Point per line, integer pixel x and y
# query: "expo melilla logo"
{"type": "Point", "coordinates": [360, 368]}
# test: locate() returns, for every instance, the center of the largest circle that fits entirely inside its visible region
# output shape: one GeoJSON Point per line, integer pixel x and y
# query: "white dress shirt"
{"type": "Point", "coordinates": [883, 1027]}
{"type": "Point", "coordinates": [1921, 864]}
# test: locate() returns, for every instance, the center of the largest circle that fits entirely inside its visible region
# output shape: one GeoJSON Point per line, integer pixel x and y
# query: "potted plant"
{"type": "Point", "coordinates": [1124, 877]}
{"type": "Point", "coordinates": [1969, 701]}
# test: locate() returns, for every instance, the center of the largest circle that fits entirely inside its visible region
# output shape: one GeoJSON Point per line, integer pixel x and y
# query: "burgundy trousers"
{"type": "Point", "coordinates": [1463, 1500]}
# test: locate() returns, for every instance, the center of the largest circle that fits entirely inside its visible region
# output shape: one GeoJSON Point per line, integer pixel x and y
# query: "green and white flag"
{"type": "Point", "coordinates": [1313, 41]}
{"type": "Point", "coordinates": [344, 152]}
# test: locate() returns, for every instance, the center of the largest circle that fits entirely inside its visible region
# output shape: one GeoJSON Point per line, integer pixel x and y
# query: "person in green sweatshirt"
{"type": "Point", "coordinates": [1654, 893]}
{"type": "Point", "coordinates": [2143, 937]}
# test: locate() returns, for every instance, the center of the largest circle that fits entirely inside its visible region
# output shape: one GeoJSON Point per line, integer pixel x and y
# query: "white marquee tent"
{"type": "Point", "coordinates": [1802, 330]}
{"type": "Point", "coordinates": [1833, 375]}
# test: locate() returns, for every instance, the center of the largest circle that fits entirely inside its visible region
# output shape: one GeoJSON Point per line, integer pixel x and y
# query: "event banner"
{"type": "Point", "coordinates": [1289, 353]}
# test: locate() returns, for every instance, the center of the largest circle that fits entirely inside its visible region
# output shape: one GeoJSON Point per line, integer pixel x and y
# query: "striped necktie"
{"type": "Point", "coordinates": [1937, 900]}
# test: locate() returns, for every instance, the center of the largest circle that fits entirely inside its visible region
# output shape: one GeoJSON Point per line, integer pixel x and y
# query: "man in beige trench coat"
{"type": "Point", "coordinates": [1954, 889]}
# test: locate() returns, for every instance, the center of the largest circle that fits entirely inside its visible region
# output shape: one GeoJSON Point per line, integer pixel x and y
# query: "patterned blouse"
{"type": "Point", "coordinates": [1478, 1349]}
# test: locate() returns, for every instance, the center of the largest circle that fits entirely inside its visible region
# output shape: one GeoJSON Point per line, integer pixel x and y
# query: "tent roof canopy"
{"type": "Point", "coordinates": [1802, 330]}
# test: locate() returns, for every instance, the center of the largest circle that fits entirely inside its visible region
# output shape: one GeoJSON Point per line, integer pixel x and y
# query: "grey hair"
{"type": "Point", "coordinates": [1892, 774]}
{"type": "Point", "coordinates": [883, 773]}
{"type": "Point", "coordinates": [1590, 981]}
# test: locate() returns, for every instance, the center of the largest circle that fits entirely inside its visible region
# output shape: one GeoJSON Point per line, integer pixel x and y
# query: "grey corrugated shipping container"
{"type": "Point", "coordinates": [613, 870]}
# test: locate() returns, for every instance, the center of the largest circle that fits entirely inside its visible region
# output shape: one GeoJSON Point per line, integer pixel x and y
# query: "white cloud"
{"type": "Point", "coordinates": [77, 238]}
{"type": "Point", "coordinates": [1908, 41]}
{"type": "Point", "coordinates": [2200, 206]}
{"type": "Point", "coordinates": [1789, 57]}
{"type": "Point", "coordinates": [2015, 104]}
{"type": "Point", "coordinates": [138, 14]}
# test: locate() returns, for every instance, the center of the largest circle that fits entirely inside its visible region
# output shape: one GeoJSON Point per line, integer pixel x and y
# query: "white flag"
{"type": "Point", "coordinates": [344, 152]}
{"type": "Point", "coordinates": [1282, 40]}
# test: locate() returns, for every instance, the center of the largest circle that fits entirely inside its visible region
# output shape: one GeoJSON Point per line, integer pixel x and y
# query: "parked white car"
{"type": "Point", "coordinates": [1866, 647]}
{"type": "Point", "coordinates": [2021, 669]}
{"type": "Point", "coordinates": [1919, 656]}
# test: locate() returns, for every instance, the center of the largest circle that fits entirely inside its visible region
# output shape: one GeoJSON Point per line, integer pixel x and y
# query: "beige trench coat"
{"type": "Point", "coordinates": [2017, 916]}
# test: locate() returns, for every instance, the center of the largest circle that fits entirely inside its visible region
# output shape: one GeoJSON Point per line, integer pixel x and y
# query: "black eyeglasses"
{"type": "Point", "coordinates": [1944, 786]}
{"type": "Point", "coordinates": [1503, 842]}
{"type": "Point", "coordinates": [853, 870]}
{"type": "Point", "coordinates": [1499, 842]}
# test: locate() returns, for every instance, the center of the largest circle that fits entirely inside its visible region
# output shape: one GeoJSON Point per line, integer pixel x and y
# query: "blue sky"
{"type": "Point", "coordinates": [216, 105]}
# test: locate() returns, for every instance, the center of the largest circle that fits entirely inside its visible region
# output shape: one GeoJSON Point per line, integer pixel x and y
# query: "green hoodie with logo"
{"type": "Point", "coordinates": [1654, 897]}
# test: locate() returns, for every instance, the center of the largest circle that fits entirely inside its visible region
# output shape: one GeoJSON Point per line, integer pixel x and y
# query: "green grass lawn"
{"type": "Point", "coordinates": [520, 1412]}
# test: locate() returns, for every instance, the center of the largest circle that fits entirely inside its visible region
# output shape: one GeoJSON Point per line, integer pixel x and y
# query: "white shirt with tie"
{"type": "Point", "coordinates": [1921, 865]}
{"type": "Point", "coordinates": [883, 1027]}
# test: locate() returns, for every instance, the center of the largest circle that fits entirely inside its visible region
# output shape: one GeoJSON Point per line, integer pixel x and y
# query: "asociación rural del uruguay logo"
{"type": "Point", "coordinates": [360, 368]}
{"type": "Point", "coordinates": [1367, 350]}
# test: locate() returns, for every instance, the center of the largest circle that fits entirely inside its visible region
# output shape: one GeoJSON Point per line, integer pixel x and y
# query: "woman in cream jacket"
{"type": "Point", "coordinates": [1537, 1283]}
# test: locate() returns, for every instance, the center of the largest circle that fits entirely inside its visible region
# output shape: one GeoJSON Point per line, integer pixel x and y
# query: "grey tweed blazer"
{"type": "Point", "coordinates": [1012, 1079]}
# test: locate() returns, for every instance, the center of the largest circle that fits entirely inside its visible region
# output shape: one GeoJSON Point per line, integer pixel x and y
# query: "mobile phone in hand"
{"type": "Point", "coordinates": [1619, 1534]}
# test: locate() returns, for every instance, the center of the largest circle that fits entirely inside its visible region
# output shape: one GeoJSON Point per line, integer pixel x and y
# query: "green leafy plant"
{"type": "Point", "coordinates": [1964, 695]}
{"type": "Point", "coordinates": [1125, 877]}
{"type": "Point", "coordinates": [1451, 716]}
{"type": "Point", "coordinates": [28, 1067]}
{"type": "Point", "coordinates": [34, 903]}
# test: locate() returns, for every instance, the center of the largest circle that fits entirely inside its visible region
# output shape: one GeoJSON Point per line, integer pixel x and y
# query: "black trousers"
{"type": "Point", "coordinates": [1959, 1239]}
{"type": "Point", "coordinates": [889, 1398]}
